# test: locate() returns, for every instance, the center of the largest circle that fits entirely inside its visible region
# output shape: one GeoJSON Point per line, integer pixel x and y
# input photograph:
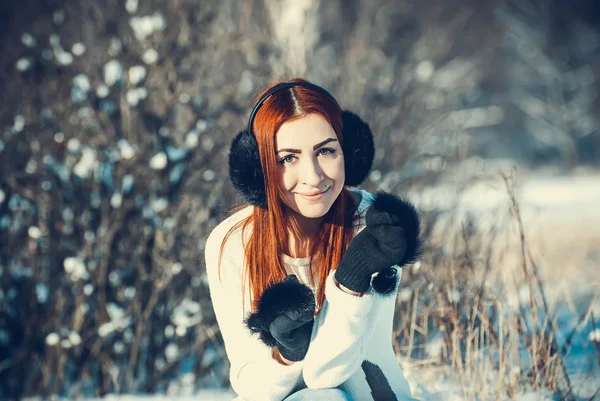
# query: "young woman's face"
{"type": "Point", "coordinates": [310, 163]}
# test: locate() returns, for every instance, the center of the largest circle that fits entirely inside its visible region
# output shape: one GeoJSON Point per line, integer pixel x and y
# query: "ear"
{"type": "Point", "coordinates": [245, 170]}
{"type": "Point", "coordinates": [359, 149]}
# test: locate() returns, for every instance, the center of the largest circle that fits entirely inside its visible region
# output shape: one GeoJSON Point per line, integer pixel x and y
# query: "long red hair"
{"type": "Point", "coordinates": [271, 228]}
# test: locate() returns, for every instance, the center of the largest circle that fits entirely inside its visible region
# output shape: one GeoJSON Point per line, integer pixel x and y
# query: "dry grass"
{"type": "Point", "coordinates": [493, 333]}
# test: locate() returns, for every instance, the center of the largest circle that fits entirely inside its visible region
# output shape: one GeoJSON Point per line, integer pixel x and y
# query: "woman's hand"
{"type": "Point", "coordinates": [284, 318]}
{"type": "Point", "coordinates": [292, 335]}
{"type": "Point", "coordinates": [391, 237]}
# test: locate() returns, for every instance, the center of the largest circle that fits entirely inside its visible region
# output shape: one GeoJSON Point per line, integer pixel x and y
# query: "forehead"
{"type": "Point", "coordinates": [304, 132]}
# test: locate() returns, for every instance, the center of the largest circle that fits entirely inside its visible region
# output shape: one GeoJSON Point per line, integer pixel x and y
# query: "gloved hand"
{"type": "Point", "coordinates": [391, 237]}
{"type": "Point", "coordinates": [292, 334]}
{"type": "Point", "coordinates": [284, 318]}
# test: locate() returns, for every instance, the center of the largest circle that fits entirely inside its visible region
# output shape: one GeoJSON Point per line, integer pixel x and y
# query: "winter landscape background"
{"type": "Point", "coordinates": [115, 122]}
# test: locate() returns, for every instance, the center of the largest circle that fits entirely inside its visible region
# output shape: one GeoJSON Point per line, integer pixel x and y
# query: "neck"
{"type": "Point", "coordinates": [310, 227]}
{"type": "Point", "coordinates": [301, 233]}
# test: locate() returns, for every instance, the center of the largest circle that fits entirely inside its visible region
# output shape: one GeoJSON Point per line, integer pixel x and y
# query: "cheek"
{"type": "Point", "coordinates": [286, 179]}
{"type": "Point", "coordinates": [335, 169]}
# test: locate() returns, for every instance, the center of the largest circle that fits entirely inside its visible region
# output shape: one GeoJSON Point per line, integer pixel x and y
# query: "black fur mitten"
{"type": "Point", "coordinates": [391, 237]}
{"type": "Point", "coordinates": [284, 318]}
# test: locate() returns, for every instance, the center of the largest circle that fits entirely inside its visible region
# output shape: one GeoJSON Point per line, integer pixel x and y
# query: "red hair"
{"type": "Point", "coordinates": [271, 228]}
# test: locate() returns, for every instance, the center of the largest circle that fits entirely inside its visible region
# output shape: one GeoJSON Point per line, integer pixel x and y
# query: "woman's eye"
{"type": "Point", "coordinates": [326, 151]}
{"type": "Point", "coordinates": [287, 160]}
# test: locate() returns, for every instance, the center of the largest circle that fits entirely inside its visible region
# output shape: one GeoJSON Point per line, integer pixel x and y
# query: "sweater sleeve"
{"type": "Point", "coordinates": [339, 336]}
{"type": "Point", "coordinates": [254, 374]}
{"type": "Point", "coordinates": [340, 332]}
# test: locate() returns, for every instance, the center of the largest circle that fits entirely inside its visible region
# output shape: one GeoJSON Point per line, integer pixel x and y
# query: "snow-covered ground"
{"type": "Point", "coordinates": [202, 395]}
{"type": "Point", "coordinates": [560, 215]}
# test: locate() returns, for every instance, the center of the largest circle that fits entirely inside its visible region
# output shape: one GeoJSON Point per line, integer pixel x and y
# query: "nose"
{"type": "Point", "coordinates": [312, 173]}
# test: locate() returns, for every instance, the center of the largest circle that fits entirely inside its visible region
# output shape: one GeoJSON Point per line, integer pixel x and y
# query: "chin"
{"type": "Point", "coordinates": [310, 211]}
{"type": "Point", "coordinates": [313, 213]}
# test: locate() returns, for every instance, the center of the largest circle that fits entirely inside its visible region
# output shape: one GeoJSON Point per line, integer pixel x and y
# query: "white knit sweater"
{"type": "Point", "coordinates": [348, 331]}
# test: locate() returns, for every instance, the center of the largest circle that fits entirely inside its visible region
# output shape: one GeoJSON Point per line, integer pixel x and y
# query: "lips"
{"type": "Point", "coordinates": [315, 195]}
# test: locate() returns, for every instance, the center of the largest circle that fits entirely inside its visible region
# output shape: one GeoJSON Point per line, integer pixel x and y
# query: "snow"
{"type": "Point", "coordinates": [23, 64]}
{"type": "Point", "coordinates": [88, 289]}
{"type": "Point", "coordinates": [191, 139]}
{"type": "Point", "coordinates": [114, 47]}
{"type": "Point", "coordinates": [78, 49]}
{"type": "Point", "coordinates": [82, 82]}
{"type": "Point", "coordinates": [86, 164]}
{"type": "Point", "coordinates": [52, 339]}
{"type": "Point", "coordinates": [184, 98]}
{"type": "Point", "coordinates": [131, 6]}
{"type": "Point", "coordinates": [159, 204]}
{"type": "Point", "coordinates": [73, 145]}
{"type": "Point", "coordinates": [75, 268]}
{"type": "Point", "coordinates": [174, 395]}
{"type": "Point", "coordinates": [201, 125]}
{"type": "Point", "coordinates": [42, 292]}
{"type": "Point", "coordinates": [113, 72]}
{"type": "Point", "coordinates": [144, 26]}
{"type": "Point", "coordinates": [208, 175]}
{"type": "Point", "coordinates": [28, 39]}
{"type": "Point", "coordinates": [424, 71]}
{"type": "Point", "coordinates": [171, 352]}
{"type": "Point", "coordinates": [158, 161]}
{"type": "Point", "coordinates": [63, 57]}
{"type": "Point", "coordinates": [19, 123]}
{"type": "Point", "coordinates": [150, 56]}
{"type": "Point", "coordinates": [34, 232]}
{"type": "Point", "coordinates": [127, 152]}
{"type": "Point", "coordinates": [181, 391]}
{"type": "Point", "coordinates": [132, 97]}
{"type": "Point", "coordinates": [102, 91]}
{"type": "Point", "coordinates": [136, 74]}
{"type": "Point", "coordinates": [115, 200]}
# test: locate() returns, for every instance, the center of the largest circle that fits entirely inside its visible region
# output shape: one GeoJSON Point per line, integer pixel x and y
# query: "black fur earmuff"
{"type": "Point", "coordinates": [246, 172]}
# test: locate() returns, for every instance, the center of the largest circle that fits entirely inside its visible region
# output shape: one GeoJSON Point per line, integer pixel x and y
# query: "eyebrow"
{"type": "Point", "coordinates": [317, 146]}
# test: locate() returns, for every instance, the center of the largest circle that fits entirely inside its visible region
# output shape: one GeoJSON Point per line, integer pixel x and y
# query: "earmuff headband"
{"type": "Point", "coordinates": [279, 87]}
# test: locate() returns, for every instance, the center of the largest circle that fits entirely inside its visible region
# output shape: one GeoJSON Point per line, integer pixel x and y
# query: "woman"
{"type": "Point", "coordinates": [303, 280]}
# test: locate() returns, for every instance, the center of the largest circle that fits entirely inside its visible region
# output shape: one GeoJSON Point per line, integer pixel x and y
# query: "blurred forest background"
{"type": "Point", "coordinates": [115, 122]}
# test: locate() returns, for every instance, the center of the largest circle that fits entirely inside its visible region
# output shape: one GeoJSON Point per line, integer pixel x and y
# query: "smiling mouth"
{"type": "Point", "coordinates": [316, 194]}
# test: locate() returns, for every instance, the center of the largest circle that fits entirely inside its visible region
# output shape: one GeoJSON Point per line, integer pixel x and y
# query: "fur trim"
{"type": "Point", "coordinates": [401, 212]}
{"type": "Point", "coordinates": [288, 297]}
{"type": "Point", "coordinates": [245, 170]}
{"type": "Point", "coordinates": [384, 283]}
{"type": "Point", "coordinates": [359, 149]}
{"type": "Point", "coordinates": [256, 326]}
